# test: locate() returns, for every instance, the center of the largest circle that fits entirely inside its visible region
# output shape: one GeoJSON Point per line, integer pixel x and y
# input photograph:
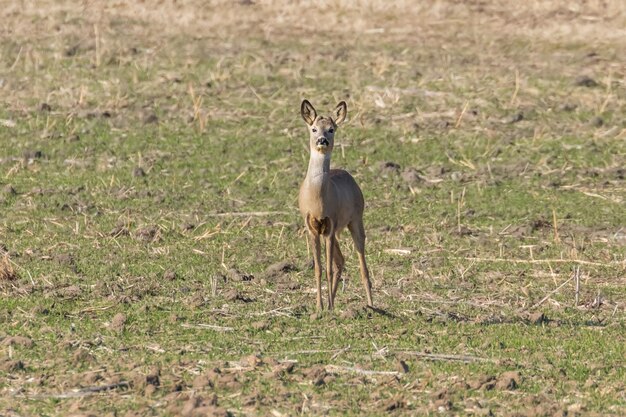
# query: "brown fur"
{"type": "Point", "coordinates": [330, 200]}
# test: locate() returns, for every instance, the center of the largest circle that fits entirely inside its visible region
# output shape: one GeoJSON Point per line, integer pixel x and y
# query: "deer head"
{"type": "Point", "coordinates": [322, 129]}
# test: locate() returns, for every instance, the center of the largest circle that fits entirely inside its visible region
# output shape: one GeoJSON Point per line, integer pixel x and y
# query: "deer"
{"type": "Point", "coordinates": [330, 200]}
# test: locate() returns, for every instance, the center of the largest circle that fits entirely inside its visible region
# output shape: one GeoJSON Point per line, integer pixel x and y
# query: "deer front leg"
{"type": "Point", "coordinates": [330, 246]}
{"type": "Point", "coordinates": [317, 253]}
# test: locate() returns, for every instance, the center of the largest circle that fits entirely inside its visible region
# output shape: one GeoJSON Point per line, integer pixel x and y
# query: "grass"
{"type": "Point", "coordinates": [149, 168]}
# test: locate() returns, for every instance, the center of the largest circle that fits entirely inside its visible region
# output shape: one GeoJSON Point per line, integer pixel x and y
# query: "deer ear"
{"type": "Point", "coordinates": [340, 112]}
{"type": "Point", "coordinates": [308, 112]}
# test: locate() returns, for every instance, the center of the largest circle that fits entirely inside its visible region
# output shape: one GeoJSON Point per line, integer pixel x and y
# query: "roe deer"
{"type": "Point", "coordinates": [330, 200]}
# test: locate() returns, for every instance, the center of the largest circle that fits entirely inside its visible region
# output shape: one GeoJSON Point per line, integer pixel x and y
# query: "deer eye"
{"type": "Point", "coordinates": [314, 130]}
{"type": "Point", "coordinates": [331, 130]}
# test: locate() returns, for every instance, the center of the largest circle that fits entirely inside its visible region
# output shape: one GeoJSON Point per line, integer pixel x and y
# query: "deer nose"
{"type": "Point", "coordinates": [322, 141]}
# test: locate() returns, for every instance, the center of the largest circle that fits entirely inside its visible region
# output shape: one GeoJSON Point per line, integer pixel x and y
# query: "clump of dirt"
{"type": "Point", "coordinates": [139, 172]}
{"type": "Point", "coordinates": [513, 118]}
{"type": "Point", "coordinates": [260, 325]}
{"type": "Point", "coordinates": [202, 381]}
{"type": "Point", "coordinates": [119, 322]}
{"type": "Point", "coordinates": [389, 167]}
{"type": "Point", "coordinates": [596, 121]}
{"type": "Point", "coordinates": [280, 370]}
{"type": "Point", "coordinates": [153, 377]}
{"type": "Point", "coordinates": [315, 316]}
{"type": "Point", "coordinates": [463, 231]}
{"type": "Point", "coordinates": [537, 318]}
{"type": "Point", "coordinates": [150, 118]}
{"type": "Point", "coordinates": [228, 381]}
{"type": "Point", "coordinates": [537, 225]}
{"type": "Point", "coordinates": [412, 176]}
{"type": "Point", "coordinates": [279, 269]}
{"type": "Point", "coordinates": [126, 289]}
{"type": "Point", "coordinates": [485, 382]}
{"type": "Point", "coordinates": [199, 407]}
{"type": "Point", "coordinates": [508, 381]}
{"type": "Point", "coordinates": [441, 399]}
{"type": "Point", "coordinates": [393, 404]}
{"type": "Point", "coordinates": [7, 272]}
{"type": "Point", "coordinates": [82, 356]}
{"type": "Point", "coordinates": [119, 231]}
{"type": "Point", "coordinates": [18, 341]}
{"type": "Point", "coordinates": [401, 366]}
{"type": "Point", "coordinates": [351, 314]}
{"type": "Point", "coordinates": [186, 227]}
{"type": "Point", "coordinates": [316, 374]}
{"type": "Point", "coordinates": [12, 365]}
{"type": "Point", "coordinates": [169, 275]}
{"type": "Point", "coordinates": [64, 258]}
{"type": "Point", "coordinates": [233, 295]}
{"type": "Point", "coordinates": [238, 276]}
{"type": "Point", "coordinates": [32, 154]}
{"type": "Point", "coordinates": [540, 224]}
{"type": "Point", "coordinates": [252, 399]}
{"type": "Point", "coordinates": [69, 293]}
{"type": "Point", "coordinates": [9, 190]}
{"type": "Point", "coordinates": [149, 234]}
{"type": "Point", "coordinates": [585, 81]}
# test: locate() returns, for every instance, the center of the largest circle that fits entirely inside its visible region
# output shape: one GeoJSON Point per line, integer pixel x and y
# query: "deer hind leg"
{"type": "Point", "coordinates": [358, 235]}
{"type": "Point", "coordinates": [338, 264]}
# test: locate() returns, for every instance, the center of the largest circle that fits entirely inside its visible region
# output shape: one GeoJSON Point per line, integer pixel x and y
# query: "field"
{"type": "Point", "coordinates": [153, 261]}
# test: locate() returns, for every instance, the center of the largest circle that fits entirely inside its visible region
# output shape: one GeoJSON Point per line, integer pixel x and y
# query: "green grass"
{"type": "Point", "coordinates": [503, 213]}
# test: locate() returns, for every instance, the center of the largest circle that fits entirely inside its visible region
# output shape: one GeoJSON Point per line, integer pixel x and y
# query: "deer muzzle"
{"type": "Point", "coordinates": [322, 142]}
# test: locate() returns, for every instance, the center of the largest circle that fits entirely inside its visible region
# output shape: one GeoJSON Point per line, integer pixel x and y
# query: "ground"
{"type": "Point", "coordinates": [153, 261]}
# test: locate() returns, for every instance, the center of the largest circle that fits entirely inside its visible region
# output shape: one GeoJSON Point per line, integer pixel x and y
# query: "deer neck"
{"type": "Point", "coordinates": [318, 173]}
